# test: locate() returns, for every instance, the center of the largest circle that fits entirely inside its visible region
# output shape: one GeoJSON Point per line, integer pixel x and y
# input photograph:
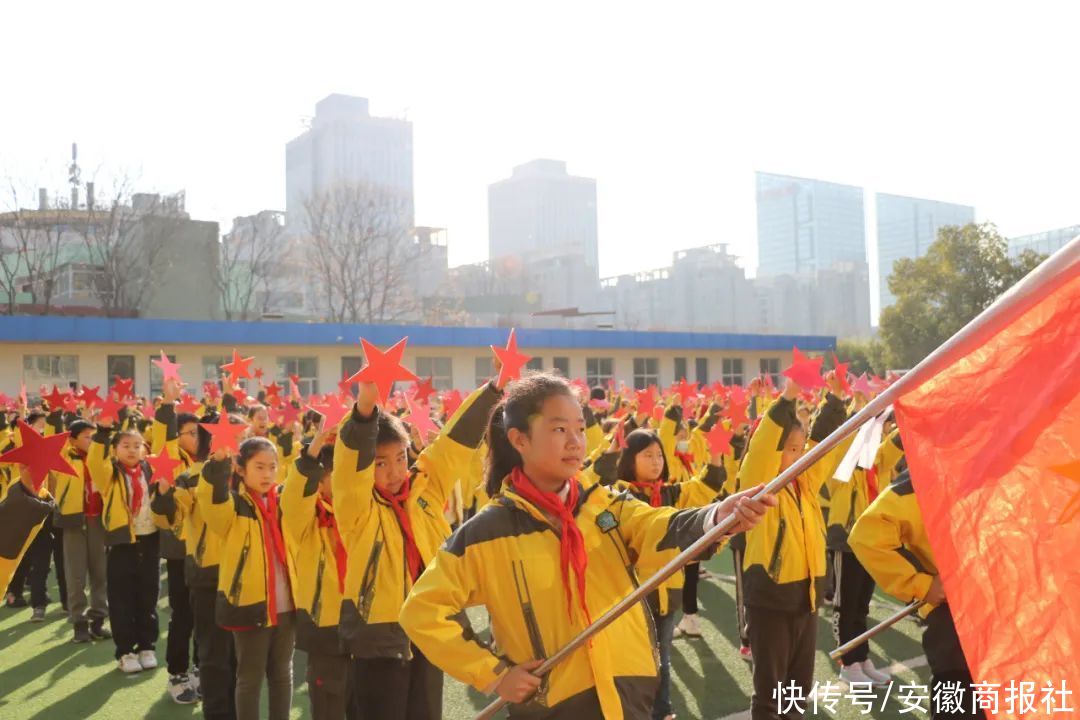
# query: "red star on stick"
{"type": "Point", "coordinates": [55, 399]}
{"type": "Point", "coordinates": [646, 400]}
{"type": "Point", "coordinates": [123, 388]}
{"type": "Point", "coordinates": [240, 395]}
{"type": "Point", "coordinates": [90, 397]}
{"type": "Point", "coordinates": [512, 361]}
{"type": "Point", "coordinates": [658, 413]}
{"type": "Point", "coordinates": [70, 403]}
{"type": "Point", "coordinates": [719, 439]}
{"type": "Point", "coordinates": [333, 412]}
{"type": "Point", "coordinates": [805, 372]}
{"type": "Point", "coordinates": [736, 412]}
{"type": "Point", "coordinates": [259, 374]}
{"type": "Point", "coordinates": [238, 368]}
{"type": "Point", "coordinates": [169, 369]}
{"type": "Point", "coordinates": [620, 435]}
{"type": "Point", "coordinates": [862, 385]}
{"type": "Point", "coordinates": [110, 409]}
{"type": "Point", "coordinates": [188, 404]}
{"type": "Point", "coordinates": [273, 390]}
{"type": "Point", "coordinates": [40, 455]}
{"type": "Point", "coordinates": [424, 389]}
{"type": "Point", "coordinates": [420, 417]}
{"type": "Point", "coordinates": [451, 401]}
{"type": "Point", "coordinates": [685, 390]}
{"type": "Point", "coordinates": [383, 369]}
{"type": "Point", "coordinates": [163, 466]}
{"type": "Point", "coordinates": [841, 370]}
{"type": "Point", "coordinates": [224, 435]}
{"type": "Point", "coordinates": [285, 415]}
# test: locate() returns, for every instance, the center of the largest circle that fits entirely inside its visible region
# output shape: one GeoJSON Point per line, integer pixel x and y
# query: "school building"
{"type": "Point", "coordinates": [91, 351]}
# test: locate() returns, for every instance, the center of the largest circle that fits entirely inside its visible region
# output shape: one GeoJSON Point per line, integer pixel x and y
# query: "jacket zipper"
{"type": "Point", "coordinates": [200, 547]}
{"type": "Point", "coordinates": [531, 626]}
{"type": "Point", "coordinates": [237, 582]}
{"type": "Point", "coordinates": [316, 601]}
{"type": "Point", "coordinates": [367, 584]}
{"type": "Point", "coordinates": [774, 562]}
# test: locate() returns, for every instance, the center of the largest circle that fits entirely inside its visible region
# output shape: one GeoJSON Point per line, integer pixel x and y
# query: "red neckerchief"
{"type": "Point", "coordinates": [324, 512]}
{"type": "Point", "coordinates": [397, 502]}
{"type": "Point", "coordinates": [687, 460]}
{"type": "Point", "coordinates": [92, 502]}
{"type": "Point", "coordinates": [871, 483]}
{"type": "Point", "coordinates": [134, 476]}
{"type": "Point", "coordinates": [267, 506]}
{"type": "Point", "coordinates": [571, 542]}
{"type": "Point", "coordinates": [652, 489]}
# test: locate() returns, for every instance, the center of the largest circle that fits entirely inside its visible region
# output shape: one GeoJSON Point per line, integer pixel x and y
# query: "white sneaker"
{"type": "Point", "coordinates": [193, 680]}
{"type": "Point", "coordinates": [129, 663]}
{"type": "Point", "coordinates": [853, 674]}
{"type": "Point", "coordinates": [689, 626]}
{"type": "Point", "coordinates": [879, 677]}
{"type": "Point", "coordinates": [147, 659]}
{"type": "Point", "coordinates": [180, 690]}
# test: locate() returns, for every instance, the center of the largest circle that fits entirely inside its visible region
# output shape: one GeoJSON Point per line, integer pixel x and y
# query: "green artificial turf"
{"type": "Point", "coordinates": [43, 676]}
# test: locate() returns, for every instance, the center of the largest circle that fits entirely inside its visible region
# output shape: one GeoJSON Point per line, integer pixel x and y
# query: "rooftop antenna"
{"type": "Point", "coordinates": [74, 174]}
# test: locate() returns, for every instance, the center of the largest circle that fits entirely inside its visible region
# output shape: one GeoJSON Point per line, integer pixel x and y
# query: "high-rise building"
{"type": "Point", "coordinates": [906, 227]}
{"type": "Point", "coordinates": [1045, 243]}
{"type": "Point", "coordinates": [541, 211]}
{"type": "Point", "coordinates": [807, 225]}
{"type": "Point", "coordinates": [346, 144]}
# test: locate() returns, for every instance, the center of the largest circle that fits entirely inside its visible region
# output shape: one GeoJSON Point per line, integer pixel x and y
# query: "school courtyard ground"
{"type": "Point", "coordinates": [43, 676]}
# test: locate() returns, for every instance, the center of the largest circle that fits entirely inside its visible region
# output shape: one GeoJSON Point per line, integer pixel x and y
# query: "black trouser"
{"type": "Point", "coordinates": [330, 685]}
{"type": "Point", "coordinates": [947, 663]}
{"type": "Point", "coordinates": [392, 689]}
{"type": "Point", "coordinates": [133, 573]}
{"type": "Point", "coordinates": [784, 645]}
{"type": "Point", "coordinates": [181, 621]}
{"type": "Point", "coordinates": [217, 658]}
{"type": "Point", "coordinates": [853, 590]}
{"type": "Point", "coordinates": [48, 546]}
{"type": "Point", "coordinates": [691, 575]}
{"type": "Point", "coordinates": [740, 608]}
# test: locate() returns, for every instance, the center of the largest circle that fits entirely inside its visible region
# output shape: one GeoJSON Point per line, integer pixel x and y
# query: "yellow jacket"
{"type": "Point", "coordinates": [21, 517]}
{"type": "Point", "coordinates": [71, 492]}
{"type": "Point", "coordinates": [507, 559]}
{"type": "Point", "coordinates": [164, 436]}
{"type": "Point", "coordinates": [312, 545]}
{"type": "Point", "coordinates": [109, 481]}
{"type": "Point", "coordinates": [784, 561]}
{"type": "Point", "coordinates": [888, 455]}
{"type": "Point", "coordinates": [244, 575]}
{"type": "Point", "coordinates": [890, 541]}
{"type": "Point", "coordinates": [178, 510]}
{"type": "Point", "coordinates": [377, 580]}
{"type": "Point", "coordinates": [667, 432]}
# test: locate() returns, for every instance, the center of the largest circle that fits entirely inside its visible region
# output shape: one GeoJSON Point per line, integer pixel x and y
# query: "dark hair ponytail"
{"type": "Point", "coordinates": [523, 399]}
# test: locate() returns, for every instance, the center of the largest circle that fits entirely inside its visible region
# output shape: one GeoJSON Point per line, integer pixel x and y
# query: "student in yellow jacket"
{"type": "Point", "coordinates": [891, 542]}
{"type": "Point", "coordinates": [132, 561]}
{"type": "Point", "coordinates": [391, 518]}
{"type": "Point", "coordinates": [22, 513]}
{"type": "Point", "coordinates": [257, 576]}
{"type": "Point", "coordinates": [545, 557]}
{"type": "Point", "coordinates": [312, 537]}
{"type": "Point", "coordinates": [176, 508]}
{"type": "Point", "coordinates": [78, 513]}
{"type": "Point", "coordinates": [784, 563]}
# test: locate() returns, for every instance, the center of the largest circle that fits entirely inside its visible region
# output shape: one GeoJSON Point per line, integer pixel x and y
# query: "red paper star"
{"type": "Point", "coordinates": [512, 360]}
{"type": "Point", "coordinates": [719, 439]}
{"type": "Point", "coordinates": [224, 434]}
{"type": "Point", "coordinates": [70, 403]}
{"type": "Point", "coordinates": [163, 465]}
{"type": "Point", "coordinates": [89, 396]}
{"type": "Point", "coordinates": [40, 455]}
{"type": "Point", "coordinates": [862, 385]}
{"type": "Point", "coordinates": [110, 409]}
{"type": "Point", "coordinates": [169, 369]}
{"type": "Point", "coordinates": [420, 418]}
{"type": "Point", "coordinates": [188, 404]}
{"type": "Point", "coordinates": [646, 400]}
{"type": "Point", "coordinates": [210, 390]}
{"type": "Point", "coordinates": [451, 401]}
{"type": "Point", "coordinates": [333, 412]}
{"type": "Point", "coordinates": [240, 395]}
{"type": "Point", "coordinates": [55, 399]}
{"type": "Point", "coordinates": [841, 370]}
{"type": "Point", "coordinates": [620, 436]}
{"type": "Point", "coordinates": [424, 389]}
{"type": "Point", "coordinates": [383, 369]}
{"type": "Point", "coordinates": [259, 374]}
{"type": "Point", "coordinates": [736, 412]}
{"type": "Point", "coordinates": [285, 415]}
{"type": "Point", "coordinates": [658, 413]}
{"type": "Point", "coordinates": [737, 395]}
{"type": "Point", "coordinates": [238, 368]}
{"type": "Point", "coordinates": [273, 390]}
{"type": "Point", "coordinates": [123, 388]}
{"type": "Point", "coordinates": [805, 372]}
{"type": "Point", "coordinates": [685, 390]}
{"type": "Point", "coordinates": [599, 405]}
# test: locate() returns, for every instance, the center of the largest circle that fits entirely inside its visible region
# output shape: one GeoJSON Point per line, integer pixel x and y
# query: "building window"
{"type": "Point", "coordinates": [732, 371]}
{"type": "Point", "coordinates": [598, 371]}
{"type": "Point", "coordinates": [646, 372]}
{"type": "Point", "coordinates": [536, 363]}
{"type": "Point", "coordinates": [59, 370]}
{"type": "Point", "coordinates": [305, 368]}
{"type": "Point", "coordinates": [680, 369]}
{"type": "Point", "coordinates": [701, 371]}
{"type": "Point", "coordinates": [350, 365]}
{"type": "Point", "coordinates": [771, 366]}
{"type": "Point", "coordinates": [485, 369]}
{"type": "Point", "coordinates": [155, 373]}
{"type": "Point", "coordinates": [122, 366]}
{"type": "Point", "coordinates": [439, 369]}
{"type": "Point", "coordinates": [561, 365]}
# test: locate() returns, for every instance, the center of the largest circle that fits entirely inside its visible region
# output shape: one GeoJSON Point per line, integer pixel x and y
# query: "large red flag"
{"type": "Point", "coordinates": [993, 444]}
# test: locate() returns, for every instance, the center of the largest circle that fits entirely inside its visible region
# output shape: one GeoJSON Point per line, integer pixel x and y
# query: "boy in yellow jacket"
{"type": "Point", "coordinates": [22, 512]}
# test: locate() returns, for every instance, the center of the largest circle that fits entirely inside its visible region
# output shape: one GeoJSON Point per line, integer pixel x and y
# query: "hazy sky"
{"type": "Point", "coordinates": [671, 106]}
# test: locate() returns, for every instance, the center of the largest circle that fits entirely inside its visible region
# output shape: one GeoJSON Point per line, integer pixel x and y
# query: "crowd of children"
{"type": "Point", "coordinates": [359, 527]}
